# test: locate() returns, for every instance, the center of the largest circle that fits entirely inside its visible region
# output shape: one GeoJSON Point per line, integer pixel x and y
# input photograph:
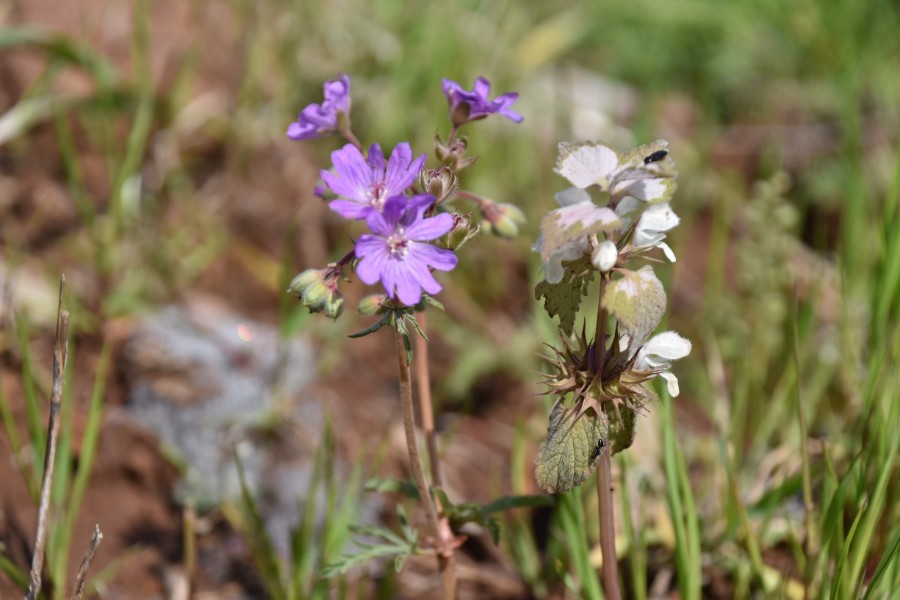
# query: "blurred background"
{"type": "Point", "coordinates": [142, 153]}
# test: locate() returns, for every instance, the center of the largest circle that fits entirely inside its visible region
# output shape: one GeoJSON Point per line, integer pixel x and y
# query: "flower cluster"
{"type": "Point", "coordinates": [411, 233]}
{"type": "Point", "coordinates": [616, 211]}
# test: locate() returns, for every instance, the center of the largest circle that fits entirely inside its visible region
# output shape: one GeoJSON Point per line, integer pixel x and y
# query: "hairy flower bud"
{"type": "Point", "coordinates": [503, 219]}
{"type": "Point", "coordinates": [373, 304]}
{"type": "Point", "coordinates": [440, 183]}
{"type": "Point", "coordinates": [317, 290]}
{"type": "Point", "coordinates": [604, 256]}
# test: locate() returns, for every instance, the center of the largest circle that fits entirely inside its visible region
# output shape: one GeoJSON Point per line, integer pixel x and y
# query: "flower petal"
{"type": "Point", "coordinates": [407, 287]}
{"type": "Point", "coordinates": [671, 383]}
{"type": "Point", "coordinates": [431, 228]}
{"type": "Point", "coordinates": [440, 259]}
{"type": "Point", "coordinates": [374, 256]}
{"type": "Point", "coordinates": [350, 209]}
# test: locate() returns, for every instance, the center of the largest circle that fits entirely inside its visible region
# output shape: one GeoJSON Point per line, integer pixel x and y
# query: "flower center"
{"type": "Point", "coordinates": [377, 191]}
{"type": "Point", "coordinates": [398, 245]}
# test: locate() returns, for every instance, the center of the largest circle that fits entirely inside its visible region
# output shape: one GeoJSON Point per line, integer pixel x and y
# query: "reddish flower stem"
{"type": "Point", "coordinates": [446, 562]}
{"type": "Point", "coordinates": [604, 473]}
{"type": "Point", "coordinates": [426, 411]}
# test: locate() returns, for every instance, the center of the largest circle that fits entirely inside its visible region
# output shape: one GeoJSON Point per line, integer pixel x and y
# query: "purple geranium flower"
{"type": "Point", "coordinates": [396, 253]}
{"type": "Point", "coordinates": [315, 119]}
{"type": "Point", "coordinates": [470, 106]}
{"type": "Point", "coordinates": [367, 184]}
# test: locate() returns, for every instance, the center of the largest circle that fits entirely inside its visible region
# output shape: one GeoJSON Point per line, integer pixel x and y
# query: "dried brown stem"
{"type": "Point", "coordinates": [60, 354]}
{"type": "Point", "coordinates": [604, 474]}
{"type": "Point", "coordinates": [446, 562]}
{"type": "Point", "coordinates": [81, 576]}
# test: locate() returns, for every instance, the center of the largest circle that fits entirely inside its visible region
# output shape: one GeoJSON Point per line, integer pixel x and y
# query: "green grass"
{"type": "Point", "coordinates": [812, 249]}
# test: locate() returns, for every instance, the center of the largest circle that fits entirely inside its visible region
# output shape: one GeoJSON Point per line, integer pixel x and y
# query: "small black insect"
{"type": "Point", "coordinates": [656, 156]}
{"type": "Point", "coordinates": [598, 449]}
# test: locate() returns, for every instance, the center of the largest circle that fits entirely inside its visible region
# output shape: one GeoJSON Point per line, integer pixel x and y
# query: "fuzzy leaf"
{"type": "Point", "coordinates": [638, 301]}
{"type": "Point", "coordinates": [565, 234]}
{"type": "Point", "coordinates": [585, 164]}
{"type": "Point", "coordinates": [652, 182]}
{"type": "Point", "coordinates": [622, 429]}
{"type": "Point", "coordinates": [563, 299]}
{"type": "Point", "coordinates": [572, 449]}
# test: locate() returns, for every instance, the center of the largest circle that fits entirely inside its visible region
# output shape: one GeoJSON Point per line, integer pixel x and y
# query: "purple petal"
{"type": "Point", "coordinates": [378, 223]}
{"type": "Point", "coordinates": [374, 258]}
{"type": "Point", "coordinates": [419, 270]}
{"type": "Point", "coordinates": [415, 208]}
{"type": "Point", "coordinates": [430, 229]}
{"type": "Point", "coordinates": [401, 169]}
{"type": "Point", "coordinates": [337, 93]}
{"type": "Point", "coordinates": [393, 211]}
{"type": "Point", "coordinates": [352, 175]}
{"type": "Point", "coordinates": [408, 289]}
{"type": "Point", "coordinates": [436, 258]}
{"type": "Point", "coordinates": [302, 131]}
{"type": "Point", "coordinates": [482, 88]}
{"type": "Point", "coordinates": [376, 161]}
{"type": "Point", "coordinates": [350, 209]}
{"type": "Point", "coordinates": [449, 86]}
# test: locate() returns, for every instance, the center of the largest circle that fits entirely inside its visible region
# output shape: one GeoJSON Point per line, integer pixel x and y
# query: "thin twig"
{"type": "Point", "coordinates": [604, 473]}
{"type": "Point", "coordinates": [81, 576]}
{"type": "Point", "coordinates": [446, 562]}
{"type": "Point", "coordinates": [60, 354]}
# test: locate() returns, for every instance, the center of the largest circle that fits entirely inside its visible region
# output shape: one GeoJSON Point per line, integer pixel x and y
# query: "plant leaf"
{"type": "Point", "coordinates": [622, 428]}
{"type": "Point", "coordinates": [572, 449]}
{"type": "Point", "coordinates": [638, 301]}
{"type": "Point", "coordinates": [563, 299]}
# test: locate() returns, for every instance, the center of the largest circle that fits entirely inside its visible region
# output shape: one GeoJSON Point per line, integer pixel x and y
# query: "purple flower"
{"type": "Point", "coordinates": [367, 184]}
{"type": "Point", "coordinates": [396, 253]}
{"type": "Point", "coordinates": [315, 119]}
{"type": "Point", "coordinates": [471, 106]}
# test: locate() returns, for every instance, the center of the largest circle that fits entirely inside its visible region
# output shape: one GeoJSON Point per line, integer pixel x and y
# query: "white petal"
{"type": "Point", "coordinates": [623, 342]}
{"type": "Point", "coordinates": [671, 383]}
{"type": "Point", "coordinates": [667, 251]}
{"type": "Point", "coordinates": [572, 196]}
{"type": "Point", "coordinates": [585, 165]}
{"type": "Point", "coordinates": [668, 345]}
{"type": "Point", "coordinates": [660, 350]}
{"type": "Point", "coordinates": [604, 256]}
{"type": "Point", "coordinates": [654, 222]}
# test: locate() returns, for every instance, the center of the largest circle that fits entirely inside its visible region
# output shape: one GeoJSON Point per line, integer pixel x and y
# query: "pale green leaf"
{"type": "Point", "coordinates": [572, 449]}
{"type": "Point", "coordinates": [622, 429]}
{"type": "Point", "coordinates": [638, 302]}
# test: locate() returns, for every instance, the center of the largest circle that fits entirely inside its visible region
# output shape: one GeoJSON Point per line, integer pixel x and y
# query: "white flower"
{"type": "Point", "coordinates": [651, 228]}
{"type": "Point", "coordinates": [566, 232]}
{"type": "Point", "coordinates": [656, 356]}
{"type": "Point", "coordinates": [604, 256]}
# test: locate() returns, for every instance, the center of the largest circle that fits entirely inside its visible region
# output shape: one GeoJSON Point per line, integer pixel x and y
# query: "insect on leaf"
{"type": "Point", "coordinates": [572, 449]}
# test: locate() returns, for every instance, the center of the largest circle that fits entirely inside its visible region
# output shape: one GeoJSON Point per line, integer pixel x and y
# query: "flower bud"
{"type": "Point", "coordinates": [317, 290]}
{"type": "Point", "coordinates": [463, 231]}
{"type": "Point", "coordinates": [373, 304]}
{"type": "Point", "coordinates": [440, 183]}
{"type": "Point", "coordinates": [604, 256]}
{"type": "Point", "coordinates": [503, 219]}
